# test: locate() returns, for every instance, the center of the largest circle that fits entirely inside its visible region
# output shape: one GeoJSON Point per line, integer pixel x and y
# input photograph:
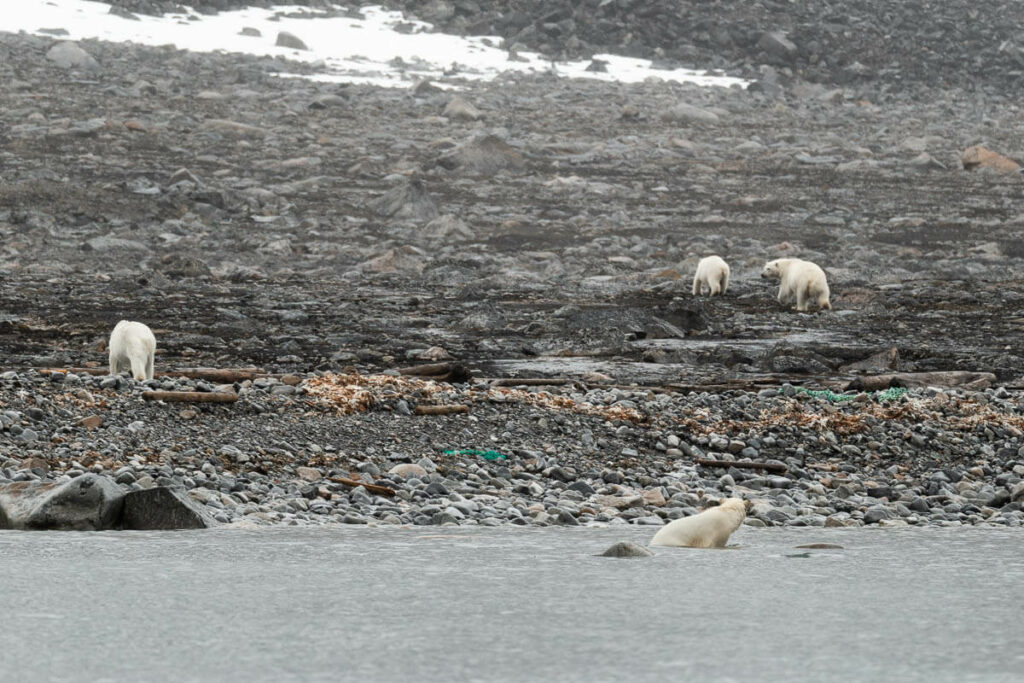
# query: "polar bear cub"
{"type": "Point", "coordinates": [708, 529]}
{"type": "Point", "coordinates": [713, 272]}
{"type": "Point", "coordinates": [132, 345]}
{"type": "Point", "coordinates": [799, 280]}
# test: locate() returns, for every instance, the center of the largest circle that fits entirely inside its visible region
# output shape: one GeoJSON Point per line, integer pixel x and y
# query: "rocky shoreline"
{"type": "Point", "coordinates": [351, 449]}
{"type": "Point", "coordinates": [531, 227]}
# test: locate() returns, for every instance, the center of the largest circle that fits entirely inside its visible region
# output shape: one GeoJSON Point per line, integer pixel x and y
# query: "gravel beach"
{"type": "Point", "coordinates": [325, 236]}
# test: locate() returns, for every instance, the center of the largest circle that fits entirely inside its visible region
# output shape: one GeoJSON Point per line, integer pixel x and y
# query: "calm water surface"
{"type": "Point", "coordinates": [390, 604]}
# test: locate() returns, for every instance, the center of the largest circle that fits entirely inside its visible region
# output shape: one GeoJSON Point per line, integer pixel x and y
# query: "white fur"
{"type": "Point", "coordinates": [800, 281]}
{"type": "Point", "coordinates": [132, 345]}
{"type": "Point", "coordinates": [708, 529]}
{"type": "Point", "coordinates": [713, 272]}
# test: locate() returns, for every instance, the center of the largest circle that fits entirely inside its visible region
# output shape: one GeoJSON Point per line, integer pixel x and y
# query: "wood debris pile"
{"type": "Point", "coordinates": [543, 399]}
{"type": "Point", "coordinates": [354, 393]}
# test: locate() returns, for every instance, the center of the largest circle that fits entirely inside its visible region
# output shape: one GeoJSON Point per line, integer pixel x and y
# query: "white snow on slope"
{"type": "Point", "coordinates": [355, 50]}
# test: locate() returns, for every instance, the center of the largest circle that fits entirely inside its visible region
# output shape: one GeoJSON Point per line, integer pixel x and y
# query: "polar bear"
{"type": "Point", "coordinates": [712, 271]}
{"type": "Point", "coordinates": [799, 280]}
{"type": "Point", "coordinates": [708, 529]}
{"type": "Point", "coordinates": [132, 344]}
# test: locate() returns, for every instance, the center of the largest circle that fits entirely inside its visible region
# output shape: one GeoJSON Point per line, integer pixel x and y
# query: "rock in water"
{"type": "Point", "coordinates": [86, 503]}
{"type": "Point", "coordinates": [163, 509]}
{"type": "Point", "coordinates": [627, 549]}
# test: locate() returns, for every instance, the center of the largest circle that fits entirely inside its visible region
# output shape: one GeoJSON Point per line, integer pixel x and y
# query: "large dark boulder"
{"type": "Point", "coordinates": [163, 509]}
{"type": "Point", "coordinates": [85, 503]}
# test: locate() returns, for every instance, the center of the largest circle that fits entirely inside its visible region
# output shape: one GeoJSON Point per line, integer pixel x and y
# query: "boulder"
{"type": "Point", "coordinates": [290, 40]}
{"type": "Point", "coordinates": [687, 113]}
{"type": "Point", "coordinates": [161, 508]}
{"type": "Point", "coordinates": [777, 44]}
{"type": "Point", "coordinates": [405, 259]}
{"type": "Point", "coordinates": [461, 110]}
{"type": "Point", "coordinates": [483, 156]}
{"type": "Point", "coordinates": [980, 157]}
{"type": "Point", "coordinates": [85, 503]}
{"type": "Point", "coordinates": [69, 55]}
{"type": "Point", "coordinates": [408, 199]}
{"type": "Point", "coordinates": [627, 549]}
{"type": "Point", "coordinates": [408, 470]}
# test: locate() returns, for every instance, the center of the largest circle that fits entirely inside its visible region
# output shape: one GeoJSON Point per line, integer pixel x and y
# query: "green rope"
{"type": "Point", "coordinates": [486, 455]}
{"type": "Point", "coordinates": [890, 394]}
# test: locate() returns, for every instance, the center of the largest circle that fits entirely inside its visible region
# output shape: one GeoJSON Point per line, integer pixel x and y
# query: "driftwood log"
{"type": "Point", "coordinates": [532, 382]}
{"type": "Point", "coordinates": [439, 372]}
{"type": "Point", "coordinates": [767, 466]}
{"type": "Point", "coordinates": [441, 410]}
{"type": "Point", "coordinates": [372, 488]}
{"type": "Point", "coordinates": [218, 375]}
{"type": "Point", "coordinates": [975, 381]}
{"type": "Point", "coordinates": [190, 396]}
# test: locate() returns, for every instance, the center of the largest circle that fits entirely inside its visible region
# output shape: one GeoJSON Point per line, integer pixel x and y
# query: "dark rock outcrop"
{"type": "Point", "coordinates": [163, 509]}
{"type": "Point", "coordinates": [86, 503]}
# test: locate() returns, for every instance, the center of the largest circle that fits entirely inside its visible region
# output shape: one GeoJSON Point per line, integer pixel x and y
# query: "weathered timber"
{"type": "Point", "coordinates": [190, 396]}
{"type": "Point", "coordinates": [439, 372]}
{"type": "Point", "coordinates": [372, 488]}
{"type": "Point", "coordinates": [441, 410]}
{"type": "Point", "coordinates": [767, 466]}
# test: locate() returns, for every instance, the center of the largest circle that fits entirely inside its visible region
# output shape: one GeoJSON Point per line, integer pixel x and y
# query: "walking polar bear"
{"type": "Point", "coordinates": [713, 272]}
{"type": "Point", "coordinates": [708, 529]}
{"type": "Point", "coordinates": [132, 345]}
{"type": "Point", "coordinates": [799, 280]}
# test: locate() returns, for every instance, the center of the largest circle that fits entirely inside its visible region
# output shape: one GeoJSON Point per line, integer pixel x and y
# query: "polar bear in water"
{"type": "Point", "coordinates": [132, 345]}
{"type": "Point", "coordinates": [799, 280]}
{"type": "Point", "coordinates": [713, 272]}
{"type": "Point", "coordinates": [708, 529]}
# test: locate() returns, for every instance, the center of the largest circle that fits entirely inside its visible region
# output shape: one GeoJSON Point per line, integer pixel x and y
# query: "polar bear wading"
{"type": "Point", "coordinates": [799, 280]}
{"type": "Point", "coordinates": [132, 345]}
{"type": "Point", "coordinates": [708, 529]}
{"type": "Point", "coordinates": [712, 271]}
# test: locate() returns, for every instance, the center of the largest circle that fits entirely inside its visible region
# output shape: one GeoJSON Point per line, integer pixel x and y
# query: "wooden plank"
{"type": "Point", "coordinates": [190, 396]}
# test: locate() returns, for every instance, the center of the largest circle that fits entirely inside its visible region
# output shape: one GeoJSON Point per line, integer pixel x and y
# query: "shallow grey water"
{"type": "Point", "coordinates": [393, 604]}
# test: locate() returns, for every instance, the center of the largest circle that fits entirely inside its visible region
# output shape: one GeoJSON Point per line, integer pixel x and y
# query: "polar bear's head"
{"type": "Point", "coordinates": [737, 504]}
{"type": "Point", "coordinates": [773, 269]}
{"type": "Point", "coordinates": [733, 504]}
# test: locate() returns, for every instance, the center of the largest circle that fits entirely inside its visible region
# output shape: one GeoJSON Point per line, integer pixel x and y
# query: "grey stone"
{"type": "Point", "coordinates": [163, 509]}
{"type": "Point", "coordinates": [407, 200]}
{"type": "Point", "coordinates": [69, 55]}
{"type": "Point", "coordinates": [876, 513]}
{"type": "Point", "coordinates": [582, 487]}
{"type": "Point", "coordinates": [462, 110]}
{"type": "Point", "coordinates": [687, 113]}
{"type": "Point", "coordinates": [1017, 492]}
{"type": "Point", "coordinates": [290, 40]}
{"type": "Point", "coordinates": [777, 44]}
{"type": "Point", "coordinates": [85, 503]}
{"type": "Point", "coordinates": [483, 156]}
{"type": "Point", "coordinates": [408, 470]}
{"type": "Point", "coordinates": [627, 549]}
{"type": "Point", "coordinates": [567, 518]}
